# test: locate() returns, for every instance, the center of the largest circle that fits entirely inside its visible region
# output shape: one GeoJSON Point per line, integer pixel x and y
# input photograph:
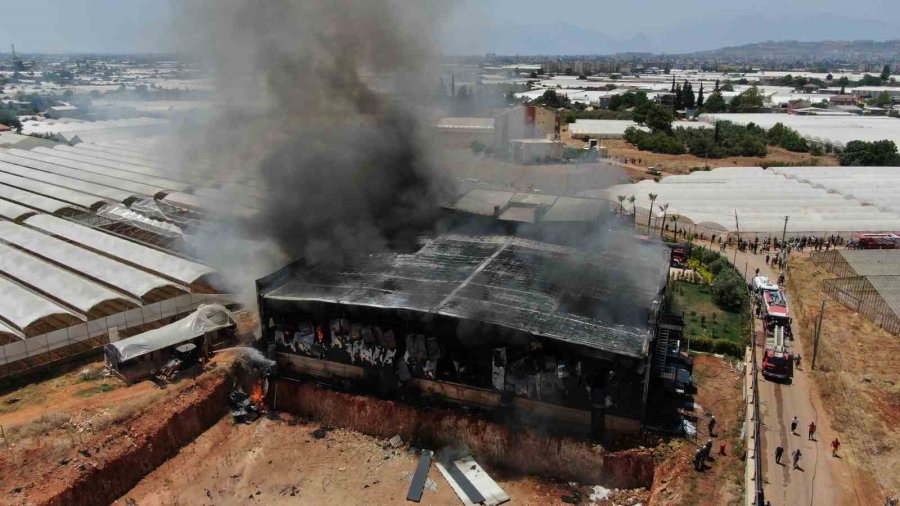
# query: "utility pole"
{"type": "Point", "coordinates": [818, 333]}
{"type": "Point", "coordinates": [784, 231]}
{"type": "Point", "coordinates": [737, 227]}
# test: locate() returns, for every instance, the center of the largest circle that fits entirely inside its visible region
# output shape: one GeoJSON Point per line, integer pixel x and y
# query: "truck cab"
{"type": "Point", "coordinates": [777, 363]}
{"type": "Point", "coordinates": [775, 311]}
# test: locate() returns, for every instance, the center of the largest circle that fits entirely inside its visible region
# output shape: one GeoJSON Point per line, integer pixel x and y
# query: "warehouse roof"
{"type": "Point", "coordinates": [130, 280]}
{"type": "Point", "coordinates": [168, 265]}
{"type": "Point", "coordinates": [510, 282]}
{"type": "Point", "coordinates": [521, 207]}
{"type": "Point", "coordinates": [47, 278]}
{"type": "Point", "coordinates": [466, 124]}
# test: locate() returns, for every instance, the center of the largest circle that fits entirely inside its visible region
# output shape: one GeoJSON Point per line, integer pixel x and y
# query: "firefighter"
{"type": "Point", "coordinates": [779, 451]}
{"type": "Point", "coordinates": [712, 426]}
{"type": "Point", "coordinates": [812, 431]}
{"type": "Point", "coordinates": [834, 447]}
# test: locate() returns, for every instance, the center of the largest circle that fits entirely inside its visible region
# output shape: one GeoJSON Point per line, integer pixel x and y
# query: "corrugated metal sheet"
{"type": "Point", "coordinates": [504, 281]}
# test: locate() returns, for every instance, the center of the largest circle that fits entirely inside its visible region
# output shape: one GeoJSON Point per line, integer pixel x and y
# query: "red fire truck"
{"type": "Point", "coordinates": [775, 311]}
{"type": "Point", "coordinates": [879, 241]}
{"type": "Point", "coordinates": [777, 361]}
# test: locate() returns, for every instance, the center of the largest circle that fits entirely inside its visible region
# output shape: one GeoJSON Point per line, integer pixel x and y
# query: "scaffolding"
{"type": "Point", "coordinates": [875, 297]}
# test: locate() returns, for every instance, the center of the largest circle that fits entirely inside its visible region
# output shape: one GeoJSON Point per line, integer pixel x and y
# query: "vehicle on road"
{"type": "Point", "coordinates": [778, 363]}
{"type": "Point", "coordinates": [879, 241]}
{"type": "Point", "coordinates": [775, 311]}
{"type": "Point", "coordinates": [678, 258]}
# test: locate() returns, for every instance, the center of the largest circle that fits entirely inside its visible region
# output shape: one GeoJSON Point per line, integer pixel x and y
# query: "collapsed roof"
{"type": "Point", "coordinates": [600, 300]}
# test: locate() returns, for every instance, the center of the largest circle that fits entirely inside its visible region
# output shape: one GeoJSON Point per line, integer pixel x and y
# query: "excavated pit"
{"type": "Point", "coordinates": [124, 456]}
{"type": "Point", "coordinates": [121, 457]}
{"type": "Point", "coordinates": [497, 445]}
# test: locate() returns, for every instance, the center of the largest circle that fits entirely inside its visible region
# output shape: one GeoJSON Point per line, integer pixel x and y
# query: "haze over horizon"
{"type": "Point", "coordinates": [500, 26]}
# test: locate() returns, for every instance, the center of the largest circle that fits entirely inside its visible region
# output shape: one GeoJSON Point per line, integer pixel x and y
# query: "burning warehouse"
{"type": "Point", "coordinates": [540, 332]}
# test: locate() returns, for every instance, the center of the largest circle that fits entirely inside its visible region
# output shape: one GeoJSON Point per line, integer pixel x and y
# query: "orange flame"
{"type": "Point", "coordinates": [256, 397]}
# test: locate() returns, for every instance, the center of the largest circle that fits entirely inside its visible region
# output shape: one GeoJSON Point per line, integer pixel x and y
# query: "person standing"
{"type": "Point", "coordinates": [834, 447]}
{"type": "Point", "coordinates": [779, 451]}
{"type": "Point", "coordinates": [797, 456]}
{"type": "Point", "coordinates": [794, 423]}
{"type": "Point", "coordinates": [712, 426]}
{"type": "Point", "coordinates": [812, 431]}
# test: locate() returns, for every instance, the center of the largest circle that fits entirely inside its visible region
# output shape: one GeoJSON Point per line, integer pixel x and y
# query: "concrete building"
{"type": "Point", "coordinates": [525, 122]}
{"type": "Point", "coordinates": [463, 132]}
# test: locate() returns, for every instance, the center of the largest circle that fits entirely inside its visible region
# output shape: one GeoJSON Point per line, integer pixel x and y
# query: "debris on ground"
{"type": "Point", "coordinates": [321, 432]}
{"type": "Point", "coordinates": [417, 485]}
{"type": "Point", "coordinates": [396, 441]}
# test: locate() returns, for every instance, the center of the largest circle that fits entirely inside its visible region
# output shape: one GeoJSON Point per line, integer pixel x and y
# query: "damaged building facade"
{"type": "Point", "coordinates": [529, 331]}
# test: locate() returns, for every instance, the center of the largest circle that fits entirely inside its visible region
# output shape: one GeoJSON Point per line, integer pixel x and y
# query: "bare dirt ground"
{"type": "Point", "coordinates": [620, 150]}
{"type": "Point", "coordinates": [719, 382]}
{"type": "Point", "coordinates": [295, 461]}
{"type": "Point", "coordinates": [857, 376]}
{"type": "Point", "coordinates": [60, 431]}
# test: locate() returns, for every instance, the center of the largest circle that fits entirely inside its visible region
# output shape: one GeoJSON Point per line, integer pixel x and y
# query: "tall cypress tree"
{"type": "Point", "coordinates": [673, 84]}
{"type": "Point", "coordinates": [717, 86]}
{"type": "Point", "coordinates": [678, 103]}
{"type": "Point", "coordinates": [700, 97]}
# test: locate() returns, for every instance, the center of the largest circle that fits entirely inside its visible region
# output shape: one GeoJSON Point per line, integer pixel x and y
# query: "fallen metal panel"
{"type": "Point", "coordinates": [418, 480]}
{"type": "Point", "coordinates": [454, 485]}
{"type": "Point", "coordinates": [485, 485]}
{"type": "Point", "coordinates": [465, 486]}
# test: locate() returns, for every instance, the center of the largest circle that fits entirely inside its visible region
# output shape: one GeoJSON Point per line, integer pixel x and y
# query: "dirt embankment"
{"type": "Point", "coordinates": [524, 452]}
{"type": "Point", "coordinates": [97, 468]}
{"type": "Point", "coordinates": [857, 379]}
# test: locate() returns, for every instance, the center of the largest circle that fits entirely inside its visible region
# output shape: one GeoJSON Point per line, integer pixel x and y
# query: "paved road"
{"type": "Point", "coordinates": [821, 480]}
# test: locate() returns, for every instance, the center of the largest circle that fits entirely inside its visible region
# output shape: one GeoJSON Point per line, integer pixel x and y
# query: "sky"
{"type": "Point", "coordinates": [482, 26]}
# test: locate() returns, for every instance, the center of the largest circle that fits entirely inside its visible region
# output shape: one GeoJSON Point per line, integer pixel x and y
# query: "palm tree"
{"type": "Point", "coordinates": [674, 219]}
{"type": "Point", "coordinates": [631, 200]}
{"type": "Point", "coordinates": [621, 207]}
{"type": "Point", "coordinates": [650, 212]}
{"type": "Point", "coordinates": [664, 208]}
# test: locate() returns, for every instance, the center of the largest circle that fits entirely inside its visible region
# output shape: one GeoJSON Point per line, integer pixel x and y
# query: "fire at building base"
{"type": "Point", "coordinates": [529, 332]}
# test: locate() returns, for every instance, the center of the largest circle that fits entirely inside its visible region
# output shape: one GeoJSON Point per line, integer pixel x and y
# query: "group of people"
{"type": "Point", "coordinates": [796, 455]}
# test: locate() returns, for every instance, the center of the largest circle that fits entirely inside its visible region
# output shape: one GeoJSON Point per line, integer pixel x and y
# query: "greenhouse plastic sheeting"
{"type": "Point", "coordinates": [206, 318]}
{"type": "Point", "coordinates": [22, 307]}
{"type": "Point", "coordinates": [171, 266]}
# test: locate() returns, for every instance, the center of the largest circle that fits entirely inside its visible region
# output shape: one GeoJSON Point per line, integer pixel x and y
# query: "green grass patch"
{"type": "Point", "coordinates": [703, 318]}
{"type": "Point", "coordinates": [96, 389]}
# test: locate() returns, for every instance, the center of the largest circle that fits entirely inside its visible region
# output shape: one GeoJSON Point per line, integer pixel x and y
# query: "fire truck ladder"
{"type": "Point", "coordinates": [778, 340]}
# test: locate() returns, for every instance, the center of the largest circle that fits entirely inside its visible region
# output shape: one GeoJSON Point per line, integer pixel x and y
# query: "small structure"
{"type": "Point", "coordinates": [535, 150]}
{"type": "Point", "coordinates": [134, 358]}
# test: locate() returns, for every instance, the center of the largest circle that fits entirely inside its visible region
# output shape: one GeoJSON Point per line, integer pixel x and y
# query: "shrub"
{"type": "Point", "coordinates": [701, 343]}
{"type": "Point", "coordinates": [710, 256]}
{"type": "Point", "coordinates": [726, 347]}
{"type": "Point", "coordinates": [716, 266]}
{"type": "Point", "coordinates": [728, 290]}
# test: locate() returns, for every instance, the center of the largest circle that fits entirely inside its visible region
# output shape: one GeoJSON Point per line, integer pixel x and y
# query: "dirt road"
{"type": "Point", "coordinates": [821, 479]}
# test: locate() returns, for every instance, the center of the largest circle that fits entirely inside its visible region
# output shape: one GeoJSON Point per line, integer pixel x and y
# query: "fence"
{"type": "Point", "coordinates": [18, 356]}
{"type": "Point", "coordinates": [874, 297]}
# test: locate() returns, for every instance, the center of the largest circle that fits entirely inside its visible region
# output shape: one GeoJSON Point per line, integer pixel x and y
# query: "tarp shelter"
{"type": "Point", "coordinates": [207, 318]}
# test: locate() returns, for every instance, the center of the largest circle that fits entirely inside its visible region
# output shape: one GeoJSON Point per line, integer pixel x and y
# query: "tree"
{"type": "Point", "coordinates": [9, 119]}
{"type": "Point", "coordinates": [886, 73]}
{"type": "Point", "coordinates": [674, 219]}
{"type": "Point", "coordinates": [728, 290]}
{"type": "Point", "coordinates": [687, 95]}
{"type": "Point", "coordinates": [727, 87]}
{"type": "Point", "coordinates": [552, 99]}
{"type": "Point", "coordinates": [631, 200]}
{"type": "Point", "coordinates": [659, 119]}
{"type": "Point", "coordinates": [650, 212]}
{"type": "Point", "coordinates": [748, 101]}
{"type": "Point", "coordinates": [878, 153]}
{"type": "Point", "coordinates": [829, 77]}
{"type": "Point", "coordinates": [678, 102]}
{"type": "Point", "coordinates": [717, 86]}
{"type": "Point", "coordinates": [621, 203]}
{"type": "Point", "coordinates": [883, 99]}
{"type": "Point", "coordinates": [665, 209]}
{"type": "Point", "coordinates": [715, 103]}
{"type": "Point", "coordinates": [673, 84]}
{"type": "Point", "coordinates": [844, 81]}
{"type": "Point", "coordinates": [700, 97]}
